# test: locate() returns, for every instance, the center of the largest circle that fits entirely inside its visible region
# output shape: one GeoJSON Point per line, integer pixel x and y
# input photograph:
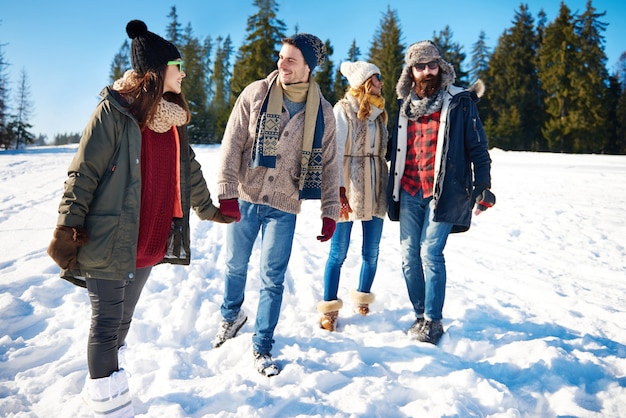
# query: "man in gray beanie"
{"type": "Point", "coordinates": [440, 169]}
{"type": "Point", "coordinates": [279, 148]}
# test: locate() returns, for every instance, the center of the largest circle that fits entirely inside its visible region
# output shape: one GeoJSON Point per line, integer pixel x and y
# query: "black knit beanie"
{"type": "Point", "coordinates": [148, 51]}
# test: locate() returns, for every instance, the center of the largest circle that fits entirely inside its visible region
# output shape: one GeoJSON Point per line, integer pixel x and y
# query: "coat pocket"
{"type": "Point", "coordinates": [103, 234]}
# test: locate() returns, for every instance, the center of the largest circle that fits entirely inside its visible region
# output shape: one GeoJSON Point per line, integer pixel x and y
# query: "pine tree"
{"type": "Point", "coordinates": [620, 71]}
{"type": "Point", "coordinates": [614, 143]}
{"type": "Point", "coordinates": [620, 116]}
{"type": "Point", "coordinates": [121, 62]}
{"type": "Point", "coordinates": [479, 68]}
{"type": "Point", "coordinates": [590, 84]}
{"type": "Point", "coordinates": [387, 52]}
{"type": "Point", "coordinates": [194, 86]}
{"type": "Point", "coordinates": [480, 58]}
{"type": "Point", "coordinates": [513, 120]}
{"type": "Point", "coordinates": [574, 76]}
{"type": "Point", "coordinates": [19, 126]}
{"type": "Point", "coordinates": [341, 83]}
{"type": "Point", "coordinates": [324, 75]}
{"type": "Point", "coordinates": [5, 140]}
{"type": "Point", "coordinates": [619, 142]}
{"type": "Point", "coordinates": [258, 55]}
{"type": "Point", "coordinates": [452, 52]}
{"type": "Point", "coordinates": [219, 108]}
{"type": "Point", "coordinates": [557, 57]}
{"type": "Point", "coordinates": [173, 29]}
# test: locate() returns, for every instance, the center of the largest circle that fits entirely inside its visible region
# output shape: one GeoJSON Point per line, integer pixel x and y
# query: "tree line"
{"type": "Point", "coordinates": [547, 83]}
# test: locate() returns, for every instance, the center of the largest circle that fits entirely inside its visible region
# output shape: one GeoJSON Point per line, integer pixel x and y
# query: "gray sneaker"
{"type": "Point", "coordinates": [416, 328]}
{"type": "Point", "coordinates": [431, 332]}
{"type": "Point", "coordinates": [265, 365]}
{"type": "Point", "coordinates": [228, 330]}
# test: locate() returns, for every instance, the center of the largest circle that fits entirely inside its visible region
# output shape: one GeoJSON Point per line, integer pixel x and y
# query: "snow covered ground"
{"type": "Point", "coordinates": [535, 313]}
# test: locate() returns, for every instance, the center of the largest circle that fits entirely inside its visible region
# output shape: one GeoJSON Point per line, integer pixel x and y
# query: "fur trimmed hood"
{"type": "Point", "coordinates": [420, 52]}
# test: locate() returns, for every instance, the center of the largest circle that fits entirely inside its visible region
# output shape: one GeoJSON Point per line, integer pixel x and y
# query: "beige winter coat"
{"type": "Point", "coordinates": [276, 187]}
{"type": "Point", "coordinates": [364, 171]}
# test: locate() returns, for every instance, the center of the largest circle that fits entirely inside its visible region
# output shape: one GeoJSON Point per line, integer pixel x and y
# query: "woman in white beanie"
{"type": "Point", "coordinates": [361, 146]}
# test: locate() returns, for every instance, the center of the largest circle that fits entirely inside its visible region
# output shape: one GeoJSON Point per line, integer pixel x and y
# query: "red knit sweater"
{"type": "Point", "coordinates": [158, 194]}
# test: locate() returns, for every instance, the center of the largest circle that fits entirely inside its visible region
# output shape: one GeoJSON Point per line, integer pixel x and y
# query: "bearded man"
{"type": "Point", "coordinates": [440, 169]}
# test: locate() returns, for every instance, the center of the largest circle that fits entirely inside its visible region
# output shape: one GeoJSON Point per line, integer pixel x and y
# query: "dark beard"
{"type": "Point", "coordinates": [428, 86]}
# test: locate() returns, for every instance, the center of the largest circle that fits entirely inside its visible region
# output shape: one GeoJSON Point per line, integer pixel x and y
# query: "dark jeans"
{"type": "Point", "coordinates": [112, 306]}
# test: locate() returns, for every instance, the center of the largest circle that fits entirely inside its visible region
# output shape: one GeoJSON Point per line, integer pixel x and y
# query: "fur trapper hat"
{"type": "Point", "coordinates": [419, 53]}
{"type": "Point", "coordinates": [148, 51]}
{"type": "Point", "coordinates": [358, 72]}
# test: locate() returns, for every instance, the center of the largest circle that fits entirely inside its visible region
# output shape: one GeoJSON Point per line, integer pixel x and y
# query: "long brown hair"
{"type": "Point", "coordinates": [144, 93]}
{"type": "Point", "coordinates": [362, 94]}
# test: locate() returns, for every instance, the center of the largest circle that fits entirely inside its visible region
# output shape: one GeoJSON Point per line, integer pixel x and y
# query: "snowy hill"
{"type": "Point", "coordinates": [535, 313]}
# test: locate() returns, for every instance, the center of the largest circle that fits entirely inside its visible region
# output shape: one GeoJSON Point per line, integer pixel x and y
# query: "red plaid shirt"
{"type": "Point", "coordinates": [419, 171]}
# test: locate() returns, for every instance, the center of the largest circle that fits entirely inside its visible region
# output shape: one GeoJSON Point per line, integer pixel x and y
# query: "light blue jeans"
{"type": "Point", "coordinates": [422, 241]}
{"type": "Point", "coordinates": [372, 231]}
{"type": "Point", "coordinates": [277, 230]}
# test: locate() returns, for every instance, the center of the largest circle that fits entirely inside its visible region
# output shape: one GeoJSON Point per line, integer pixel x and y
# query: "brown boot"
{"type": "Point", "coordinates": [328, 321]}
{"type": "Point", "coordinates": [361, 301]}
{"type": "Point", "coordinates": [330, 311]}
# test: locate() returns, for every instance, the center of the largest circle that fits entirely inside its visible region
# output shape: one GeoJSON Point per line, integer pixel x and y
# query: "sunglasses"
{"type": "Point", "coordinates": [431, 65]}
{"type": "Point", "coordinates": [178, 63]}
{"type": "Point", "coordinates": [378, 77]}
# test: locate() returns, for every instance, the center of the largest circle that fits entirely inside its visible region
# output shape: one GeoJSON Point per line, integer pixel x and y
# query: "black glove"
{"type": "Point", "coordinates": [64, 245]}
{"type": "Point", "coordinates": [485, 200]}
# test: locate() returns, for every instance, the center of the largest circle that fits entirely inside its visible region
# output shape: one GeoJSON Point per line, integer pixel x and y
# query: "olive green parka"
{"type": "Point", "coordinates": [103, 194]}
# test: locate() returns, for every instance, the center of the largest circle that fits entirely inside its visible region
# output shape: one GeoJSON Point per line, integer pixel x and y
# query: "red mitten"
{"type": "Point", "coordinates": [345, 205]}
{"type": "Point", "coordinates": [230, 208]}
{"type": "Point", "coordinates": [328, 229]}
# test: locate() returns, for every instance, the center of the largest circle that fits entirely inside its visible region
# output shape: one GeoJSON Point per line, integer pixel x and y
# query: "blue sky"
{"type": "Point", "coordinates": [66, 47]}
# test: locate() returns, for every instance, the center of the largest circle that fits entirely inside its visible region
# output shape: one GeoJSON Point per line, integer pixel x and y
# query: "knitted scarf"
{"type": "Point", "coordinates": [267, 135]}
{"type": "Point", "coordinates": [168, 114]}
{"type": "Point", "coordinates": [415, 107]}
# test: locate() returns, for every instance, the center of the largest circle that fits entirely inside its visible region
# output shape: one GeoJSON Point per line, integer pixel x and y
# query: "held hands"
{"type": "Point", "coordinates": [484, 200]}
{"type": "Point", "coordinates": [230, 209]}
{"type": "Point", "coordinates": [345, 205]}
{"type": "Point", "coordinates": [328, 229]}
{"type": "Point", "coordinates": [219, 217]}
{"type": "Point", "coordinates": [63, 248]}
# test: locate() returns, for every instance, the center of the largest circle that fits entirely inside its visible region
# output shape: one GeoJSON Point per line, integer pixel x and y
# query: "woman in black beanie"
{"type": "Point", "coordinates": [126, 205]}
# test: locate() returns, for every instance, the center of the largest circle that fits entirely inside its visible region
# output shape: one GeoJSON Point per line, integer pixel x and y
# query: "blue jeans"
{"type": "Point", "coordinates": [372, 231]}
{"type": "Point", "coordinates": [277, 230]}
{"type": "Point", "coordinates": [422, 241]}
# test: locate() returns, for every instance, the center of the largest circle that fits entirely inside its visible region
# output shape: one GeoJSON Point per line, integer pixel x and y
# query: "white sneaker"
{"type": "Point", "coordinates": [228, 330]}
{"type": "Point", "coordinates": [265, 365]}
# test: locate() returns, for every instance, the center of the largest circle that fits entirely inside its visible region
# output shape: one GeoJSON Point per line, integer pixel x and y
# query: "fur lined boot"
{"type": "Point", "coordinates": [362, 301]}
{"type": "Point", "coordinates": [109, 396]}
{"type": "Point", "coordinates": [330, 311]}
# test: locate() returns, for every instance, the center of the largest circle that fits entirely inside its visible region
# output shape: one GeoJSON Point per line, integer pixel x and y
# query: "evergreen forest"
{"type": "Point", "coordinates": [548, 87]}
